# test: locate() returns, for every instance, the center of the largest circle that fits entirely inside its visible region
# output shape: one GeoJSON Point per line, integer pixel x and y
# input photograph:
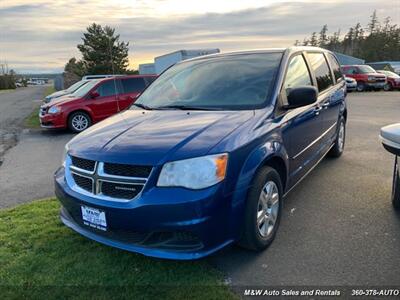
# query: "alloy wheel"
{"type": "Point", "coordinates": [80, 122]}
{"type": "Point", "coordinates": [268, 209]}
{"type": "Point", "coordinates": [341, 137]}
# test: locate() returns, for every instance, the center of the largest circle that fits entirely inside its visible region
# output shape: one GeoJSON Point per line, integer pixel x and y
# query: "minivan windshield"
{"type": "Point", "coordinates": [83, 90]}
{"type": "Point", "coordinates": [231, 82]}
{"type": "Point", "coordinates": [76, 86]}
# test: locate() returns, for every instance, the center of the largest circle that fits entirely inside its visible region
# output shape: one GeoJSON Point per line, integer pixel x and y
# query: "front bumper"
{"type": "Point", "coordinates": [376, 85]}
{"type": "Point", "coordinates": [55, 121]}
{"type": "Point", "coordinates": [172, 223]}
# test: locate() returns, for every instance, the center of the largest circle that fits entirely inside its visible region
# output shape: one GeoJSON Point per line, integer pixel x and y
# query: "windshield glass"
{"type": "Point", "coordinates": [76, 86]}
{"type": "Point", "coordinates": [241, 81]}
{"type": "Point", "coordinates": [366, 69]}
{"type": "Point", "coordinates": [83, 90]}
{"type": "Point", "coordinates": [390, 74]}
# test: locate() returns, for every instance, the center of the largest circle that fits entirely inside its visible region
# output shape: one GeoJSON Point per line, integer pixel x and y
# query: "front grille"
{"type": "Point", "coordinates": [120, 190]}
{"type": "Point", "coordinates": [127, 170]}
{"type": "Point", "coordinates": [84, 164]}
{"type": "Point", "coordinates": [43, 111]}
{"type": "Point", "coordinates": [106, 181]}
{"type": "Point", "coordinates": [83, 182]}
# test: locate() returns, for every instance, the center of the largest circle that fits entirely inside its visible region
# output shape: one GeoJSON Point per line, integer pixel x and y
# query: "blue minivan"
{"type": "Point", "coordinates": [206, 155]}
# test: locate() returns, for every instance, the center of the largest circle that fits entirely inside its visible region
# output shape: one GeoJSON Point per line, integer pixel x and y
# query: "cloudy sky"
{"type": "Point", "coordinates": [41, 35]}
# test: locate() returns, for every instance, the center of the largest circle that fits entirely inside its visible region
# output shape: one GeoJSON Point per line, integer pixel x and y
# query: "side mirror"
{"type": "Point", "coordinates": [302, 96]}
{"type": "Point", "coordinates": [94, 94]}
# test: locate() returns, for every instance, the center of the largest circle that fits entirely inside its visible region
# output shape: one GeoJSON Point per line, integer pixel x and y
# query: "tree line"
{"type": "Point", "coordinates": [378, 41]}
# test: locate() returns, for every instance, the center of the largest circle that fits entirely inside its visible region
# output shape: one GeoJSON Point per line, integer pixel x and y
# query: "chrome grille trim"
{"type": "Point", "coordinates": [98, 176]}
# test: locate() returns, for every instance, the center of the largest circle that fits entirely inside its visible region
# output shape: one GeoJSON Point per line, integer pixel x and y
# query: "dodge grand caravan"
{"type": "Point", "coordinates": [206, 154]}
{"type": "Point", "coordinates": [93, 102]}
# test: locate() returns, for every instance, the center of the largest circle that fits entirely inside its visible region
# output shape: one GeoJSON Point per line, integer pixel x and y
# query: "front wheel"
{"type": "Point", "coordinates": [396, 186]}
{"type": "Point", "coordinates": [361, 87]}
{"type": "Point", "coordinates": [79, 121]}
{"type": "Point", "coordinates": [263, 210]}
{"type": "Point", "coordinates": [387, 87]}
{"type": "Point", "coordinates": [338, 146]}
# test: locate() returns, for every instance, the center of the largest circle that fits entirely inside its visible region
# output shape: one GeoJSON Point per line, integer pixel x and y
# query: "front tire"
{"type": "Point", "coordinates": [387, 87]}
{"type": "Point", "coordinates": [396, 186]}
{"type": "Point", "coordinates": [79, 121]}
{"type": "Point", "coordinates": [361, 87]}
{"type": "Point", "coordinates": [338, 146]}
{"type": "Point", "coordinates": [263, 210]}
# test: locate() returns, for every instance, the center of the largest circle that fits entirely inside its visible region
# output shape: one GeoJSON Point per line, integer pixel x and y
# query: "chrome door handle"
{"type": "Point", "coordinates": [326, 105]}
{"type": "Point", "coordinates": [317, 110]}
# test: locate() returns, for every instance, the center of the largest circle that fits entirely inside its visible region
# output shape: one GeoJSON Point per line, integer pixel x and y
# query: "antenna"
{"type": "Point", "coordinates": [113, 71]}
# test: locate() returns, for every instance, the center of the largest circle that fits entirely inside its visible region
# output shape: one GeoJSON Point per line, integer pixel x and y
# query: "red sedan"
{"type": "Point", "coordinates": [93, 102]}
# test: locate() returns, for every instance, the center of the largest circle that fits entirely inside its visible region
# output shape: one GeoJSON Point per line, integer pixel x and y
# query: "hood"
{"type": "Point", "coordinates": [57, 94]}
{"type": "Point", "coordinates": [154, 137]}
{"type": "Point", "coordinates": [60, 100]}
{"type": "Point", "coordinates": [378, 75]}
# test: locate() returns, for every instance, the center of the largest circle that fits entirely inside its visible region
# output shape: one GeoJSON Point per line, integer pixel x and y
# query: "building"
{"type": "Point", "coordinates": [386, 65]}
{"type": "Point", "coordinates": [147, 69]}
{"type": "Point", "coordinates": [163, 62]}
{"type": "Point", "coordinates": [349, 60]}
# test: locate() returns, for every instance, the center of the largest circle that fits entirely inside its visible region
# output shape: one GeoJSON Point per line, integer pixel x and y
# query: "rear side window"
{"type": "Point", "coordinates": [108, 88]}
{"type": "Point", "coordinates": [321, 70]}
{"type": "Point", "coordinates": [297, 74]}
{"type": "Point", "coordinates": [335, 68]}
{"type": "Point", "coordinates": [132, 85]}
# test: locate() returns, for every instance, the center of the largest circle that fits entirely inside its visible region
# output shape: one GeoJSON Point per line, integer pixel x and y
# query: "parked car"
{"type": "Point", "coordinates": [393, 80]}
{"type": "Point", "coordinates": [93, 102]}
{"type": "Point", "coordinates": [351, 84]}
{"type": "Point", "coordinates": [67, 91]}
{"type": "Point", "coordinates": [367, 78]}
{"type": "Point", "coordinates": [390, 137]}
{"type": "Point", "coordinates": [206, 154]}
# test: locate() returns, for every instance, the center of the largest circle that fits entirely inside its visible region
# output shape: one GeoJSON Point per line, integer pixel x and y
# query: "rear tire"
{"type": "Point", "coordinates": [263, 210]}
{"type": "Point", "coordinates": [396, 186]}
{"type": "Point", "coordinates": [338, 146]}
{"type": "Point", "coordinates": [79, 121]}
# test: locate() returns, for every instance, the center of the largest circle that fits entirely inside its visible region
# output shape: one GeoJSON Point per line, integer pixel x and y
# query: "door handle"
{"type": "Point", "coordinates": [317, 110]}
{"type": "Point", "coordinates": [326, 104]}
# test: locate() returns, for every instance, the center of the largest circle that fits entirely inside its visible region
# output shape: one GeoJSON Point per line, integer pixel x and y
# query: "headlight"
{"type": "Point", "coordinates": [371, 78]}
{"type": "Point", "coordinates": [66, 148]}
{"type": "Point", "coordinates": [194, 173]}
{"type": "Point", "coordinates": [54, 110]}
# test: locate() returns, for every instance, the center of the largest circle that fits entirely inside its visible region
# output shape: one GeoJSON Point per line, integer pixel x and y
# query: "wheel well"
{"type": "Point", "coordinates": [279, 165]}
{"type": "Point", "coordinates": [79, 110]}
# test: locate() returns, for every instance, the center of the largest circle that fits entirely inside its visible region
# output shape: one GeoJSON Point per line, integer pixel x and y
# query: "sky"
{"type": "Point", "coordinates": [41, 35]}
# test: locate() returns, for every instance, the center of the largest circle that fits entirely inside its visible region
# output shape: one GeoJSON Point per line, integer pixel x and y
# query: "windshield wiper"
{"type": "Point", "coordinates": [143, 106]}
{"type": "Point", "coordinates": [188, 107]}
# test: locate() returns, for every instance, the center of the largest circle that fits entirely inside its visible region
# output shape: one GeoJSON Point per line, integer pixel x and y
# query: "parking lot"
{"type": "Point", "coordinates": [338, 226]}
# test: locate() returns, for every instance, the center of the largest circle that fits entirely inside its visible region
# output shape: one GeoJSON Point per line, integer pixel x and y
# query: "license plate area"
{"type": "Point", "coordinates": [94, 218]}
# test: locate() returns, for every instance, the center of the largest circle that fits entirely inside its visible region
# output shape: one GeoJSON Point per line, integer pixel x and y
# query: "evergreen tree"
{"type": "Point", "coordinates": [323, 36]}
{"type": "Point", "coordinates": [313, 39]}
{"type": "Point", "coordinates": [102, 52]}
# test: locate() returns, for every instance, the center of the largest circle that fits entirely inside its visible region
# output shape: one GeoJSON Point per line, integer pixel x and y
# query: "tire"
{"type": "Point", "coordinates": [361, 87]}
{"type": "Point", "coordinates": [338, 146]}
{"type": "Point", "coordinates": [258, 235]}
{"type": "Point", "coordinates": [79, 121]}
{"type": "Point", "coordinates": [387, 87]}
{"type": "Point", "coordinates": [396, 186]}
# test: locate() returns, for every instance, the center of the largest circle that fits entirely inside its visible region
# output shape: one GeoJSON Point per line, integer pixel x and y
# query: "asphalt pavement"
{"type": "Point", "coordinates": [338, 225]}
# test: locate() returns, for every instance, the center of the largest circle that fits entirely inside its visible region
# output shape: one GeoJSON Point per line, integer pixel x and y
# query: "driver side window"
{"type": "Point", "coordinates": [297, 74]}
